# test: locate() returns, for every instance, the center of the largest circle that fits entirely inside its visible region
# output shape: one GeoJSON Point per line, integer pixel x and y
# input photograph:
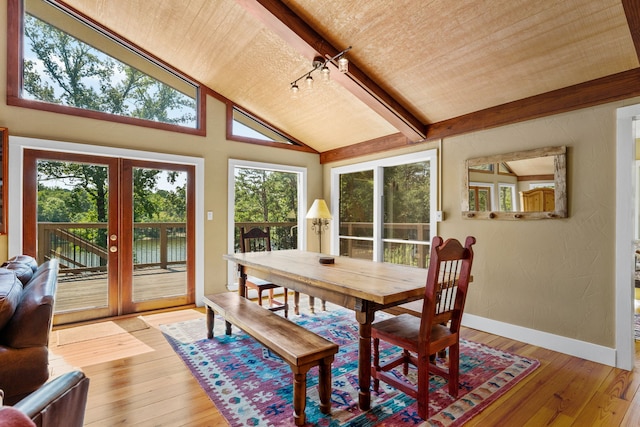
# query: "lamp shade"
{"type": "Point", "coordinates": [319, 209]}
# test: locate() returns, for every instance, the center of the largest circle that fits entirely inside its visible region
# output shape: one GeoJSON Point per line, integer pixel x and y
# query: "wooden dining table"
{"type": "Point", "coordinates": [363, 286]}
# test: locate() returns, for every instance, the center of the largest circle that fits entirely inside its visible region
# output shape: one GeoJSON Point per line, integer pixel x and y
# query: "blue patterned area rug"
{"type": "Point", "coordinates": [251, 386]}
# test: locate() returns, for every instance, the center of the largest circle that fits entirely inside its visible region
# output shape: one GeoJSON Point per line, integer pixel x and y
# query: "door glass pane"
{"type": "Point", "coordinates": [356, 214]}
{"type": "Point", "coordinates": [407, 214]}
{"type": "Point", "coordinates": [72, 227]}
{"type": "Point", "coordinates": [267, 198]}
{"type": "Point", "coordinates": [356, 248]}
{"type": "Point", "coordinates": [159, 234]}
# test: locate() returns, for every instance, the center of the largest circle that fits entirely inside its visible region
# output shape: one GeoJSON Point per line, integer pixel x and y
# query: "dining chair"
{"type": "Point", "coordinates": [437, 329]}
{"type": "Point", "coordinates": [256, 240]}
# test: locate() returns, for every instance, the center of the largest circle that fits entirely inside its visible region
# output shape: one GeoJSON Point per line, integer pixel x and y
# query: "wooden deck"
{"type": "Point", "coordinates": [90, 290]}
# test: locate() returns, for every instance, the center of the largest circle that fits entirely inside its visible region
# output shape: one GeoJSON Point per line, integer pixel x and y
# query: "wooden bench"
{"type": "Point", "coordinates": [299, 347]}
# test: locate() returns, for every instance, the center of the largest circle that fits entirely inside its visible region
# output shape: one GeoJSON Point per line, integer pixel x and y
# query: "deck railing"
{"type": "Point", "coordinates": [406, 243]}
{"type": "Point", "coordinates": [284, 235]}
{"type": "Point", "coordinates": [83, 247]}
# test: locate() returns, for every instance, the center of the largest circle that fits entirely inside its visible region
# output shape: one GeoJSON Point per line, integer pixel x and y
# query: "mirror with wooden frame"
{"type": "Point", "coordinates": [521, 185]}
{"type": "Point", "coordinates": [4, 151]}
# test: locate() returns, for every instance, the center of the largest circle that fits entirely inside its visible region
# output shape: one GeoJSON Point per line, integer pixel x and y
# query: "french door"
{"type": "Point", "coordinates": [122, 230]}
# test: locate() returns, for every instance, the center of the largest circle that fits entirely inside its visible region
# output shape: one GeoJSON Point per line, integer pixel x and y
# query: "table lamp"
{"type": "Point", "coordinates": [319, 215]}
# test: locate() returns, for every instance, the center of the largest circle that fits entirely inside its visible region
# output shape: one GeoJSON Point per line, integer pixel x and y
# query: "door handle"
{"type": "Point", "coordinates": [113, 248]}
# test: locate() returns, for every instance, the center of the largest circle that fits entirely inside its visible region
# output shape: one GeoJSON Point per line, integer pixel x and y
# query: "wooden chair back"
{"type": "Point", "coordinates": [447, 283]}
{"type": "Point", "coordinates": [255, 240]}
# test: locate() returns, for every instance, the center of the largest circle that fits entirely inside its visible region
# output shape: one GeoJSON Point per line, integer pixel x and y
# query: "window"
{"type": "Point", "coordinates": [386, 209]}
{"type": "Point", "coordinates": [266, 195]}
{"type": "Point", "coordinates": [546, 184]}
{"type": "Point", "coordinates": [73, 66]}
{"type": "Point", "coordinates": [245, 127]}
{"type": "Point", "coordinates": [507, 197]}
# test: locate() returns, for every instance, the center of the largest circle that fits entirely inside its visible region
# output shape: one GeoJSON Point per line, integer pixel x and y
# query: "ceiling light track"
{"type": "Point", "coordinates": [320, 63]}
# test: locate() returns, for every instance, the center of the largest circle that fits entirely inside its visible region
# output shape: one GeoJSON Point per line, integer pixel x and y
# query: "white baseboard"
{"type": "Point", "coordinates": [570, 346]}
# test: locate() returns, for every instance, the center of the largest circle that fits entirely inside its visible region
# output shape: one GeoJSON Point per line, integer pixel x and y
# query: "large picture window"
{"type": "Point", "coordinates": [71, 65]}
{"type": "Point", "coordinates": [386, 209]}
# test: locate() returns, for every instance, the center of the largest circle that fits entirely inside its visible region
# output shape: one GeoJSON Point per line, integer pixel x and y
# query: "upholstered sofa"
{"type": "Point", "coordinates": [27, 295]}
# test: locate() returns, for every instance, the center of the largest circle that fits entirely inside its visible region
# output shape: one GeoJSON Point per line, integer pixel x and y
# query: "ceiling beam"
{"type": "Point", "coordinates": [385, 143]}
{"type": "Point", "coordinates": [595, 92]}
{"type": "Point", "coordinates": [632, 12]}
{"type": "Point", "coordinates": [279, 18]}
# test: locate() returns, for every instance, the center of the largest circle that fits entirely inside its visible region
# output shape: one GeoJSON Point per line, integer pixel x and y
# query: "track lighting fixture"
{"type": "Point", "coordinates": [320, 63]}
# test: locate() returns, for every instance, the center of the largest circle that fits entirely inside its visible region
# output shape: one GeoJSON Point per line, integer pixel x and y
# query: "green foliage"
{"type": "Point", "coordinates": [406, 199]}
{"type": "Point", "coordinates": [78, 192]}
{"type": "Point", "coordinates": [356, 197]}
{"type": "Point", "coordinates": [406, 193]}
{"type": "Point", "coordinates": [265, 196]}
{"type": "Point", "coordinates": [88, 181]}
{"type": "Point", "coordinates": [506, 196]}
{"type": "Point", "coordinates": [77, 75]}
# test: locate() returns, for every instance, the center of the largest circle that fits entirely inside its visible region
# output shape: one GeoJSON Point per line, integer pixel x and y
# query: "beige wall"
{"type": "Point", "coordinates": [555, 276]}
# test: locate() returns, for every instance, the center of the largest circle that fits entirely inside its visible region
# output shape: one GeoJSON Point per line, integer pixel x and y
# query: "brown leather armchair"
{"type": "Point", "coordinates": [27, 294]}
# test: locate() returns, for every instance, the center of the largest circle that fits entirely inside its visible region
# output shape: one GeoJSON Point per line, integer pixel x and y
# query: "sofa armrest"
{"type": "Point", "coordinates": [61, 401]}
{"type": "Point", "coordinates": [31, 322]}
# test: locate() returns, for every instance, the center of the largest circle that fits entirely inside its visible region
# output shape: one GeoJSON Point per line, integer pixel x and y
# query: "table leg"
{"type": "Point", "coordinates": [364, 318]}
{"type": "Point", "coordinates": [242, 281]}
{"type": "Point", "coordinates": [296, 302]}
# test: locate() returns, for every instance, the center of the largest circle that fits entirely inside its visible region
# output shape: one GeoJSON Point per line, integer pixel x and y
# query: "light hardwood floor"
{"type": "Point", "coordinates": [137, 380]}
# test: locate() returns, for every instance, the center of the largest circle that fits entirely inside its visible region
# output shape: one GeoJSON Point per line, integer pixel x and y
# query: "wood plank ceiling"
{"type": "Point", "coordinates": [420, 70]}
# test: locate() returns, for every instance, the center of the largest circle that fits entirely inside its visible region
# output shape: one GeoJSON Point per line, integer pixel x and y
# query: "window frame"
{"type": "Point", "coordinates": [15, 31]}
{"type": "Point", "coordinates": [378, 208]}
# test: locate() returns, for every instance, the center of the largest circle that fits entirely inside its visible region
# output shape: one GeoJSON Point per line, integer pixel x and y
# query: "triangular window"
{"type": "Point", "coordinates": [245, 126]}
{"type": "Point", "coordinates": [71, 62]}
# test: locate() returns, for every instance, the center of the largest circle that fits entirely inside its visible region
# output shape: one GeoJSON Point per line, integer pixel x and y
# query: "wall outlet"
{"type": "Point", "coordinates": [439, 216]}
{"type": "Point", "coordinates": [209, 215]}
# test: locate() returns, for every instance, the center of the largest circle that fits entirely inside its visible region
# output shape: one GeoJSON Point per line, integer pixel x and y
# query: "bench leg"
{"type": "Point", "coordinates": [211, 316]}
{"type": "Point", "coordinates": [299, 394]}
{"type": "Point", "coordinates": [324, 384]}
{"type": "Point", "coordinates": [210, 320]}
{"type": "Point", "coordinates": [227, 330]}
